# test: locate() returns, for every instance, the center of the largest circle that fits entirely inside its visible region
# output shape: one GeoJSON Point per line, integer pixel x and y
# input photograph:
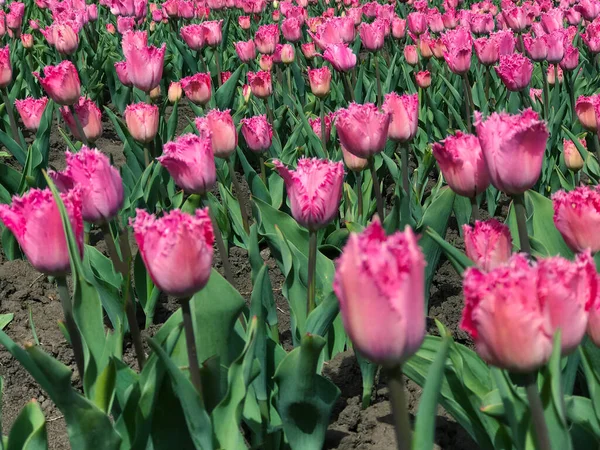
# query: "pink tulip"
{"type": "Point", "coordinates": [197, 88]}
{"type": "Point", "coordinates": [372, 35]}
{"type": "Point", "coordinates": [551, 76]}
{"type": "Point", "coordinates": [89, 117]}
{"type": "Point", "coordinates": [513, 149]}
{"type": "Point", "coordinates": [576, 214]}
{"type": "Point", "coordinates": [27, 40]}
{"type": "Point", "coordinates": [265, 62]}
{"type": "Point", "coordinates": [170, 7]}
{"type": "Point", "coordinates": [515, 71]}
{"type": "Point", "coordinates": [213, 33]}
{"type": "Point", "coordinates": [61, 83]}
{"type": "Point", "coordinates": [314, 190]}
{"type": "Point", "coordinates": [552, 20]}
{"type": "Point", "coordinates": [194, 36]}
{"type": "Point", "coordinates": [571, 58]}
{"type": "Point", "coordinates": [100, 184]}
{"type": "Point", "coordinates": [308, 50]}
{"type": "Point", "coordinates": [244, 22]}
{"type": "Point", "coordinates": [122, 74]}
{"type": "Point", "coordinates": [340, 56]}
{"type": "Point", "coordinates": [354, 163]}
{"type": "Point", "coordinates": [390, 272]}
{"type": "Point", "coordinates": [174, 93]}
{"type": "Point", "coordinates": [434, 21]}
{"type": "Point", "coordinates": [591, 36]}
{"type": "Point", "coordinates": [142, 121]}
{"type": "Point", "coordinates": [516, 18]}
{"type": "Point", "coordinates": [423, 79]}
{"type": "Point", "coordinates": [488, 244]}
{"type": "Point", "coordinates": [285, 53]}
{"type": "Point", "coordinates": [589, 9]}
{"type": "Point", "coordinates": [177, 249]}
{"type": "Point", "coordinates": [320, 80]}
{"type": "Point", "coordinates": [190, 161]}
{"type": "Point", "coordinates": [266, 38]}
{"type": "Point", "coordinates": [556, 48]}
{"type": "Point", "coordinates": [585, 108]}
{"type": "Point", "coordinates": [185, 9]}
{"type": "Point", "coordinates": [461, 161]}
{"type": "Point", "coordinates": [125, 24]}
{"type": "Point", "coordinates": [64, 38]}
{"type": "Point", "coordinates": [145, 66]}
{"type": "Point", "coordinates": [5, 67]}
{"type": "Point", "coordinates": [315, 124]}
{"type": "Point", "coordinates": [31, 111]}
{"type": "Point", "coordinates": [571, 155]}
{"type": "Point", "coordinates": [110, 28]}
{"type": "Point", "coordinates": [257, 133]}
{"type": "Point", "coordinates": [459, 47]}
{"type": "Point", "coordinates": [260, 83]}
{"type": "Point", "coordinates": [291, 29]}
{"type": "Point", "coordinates": [398, 28]}
{"type": "Point", "coordinates": [404, 114]}
{"type": "Point", "coordinates": [223, 135]}
{"type": "Point", "coordinates": [573, 16]}
{"type": "Point", "coordinates": [449, 19]}
{"type": "Point", "coordinates": [537, 48]}
{"type": "Point", "coordinates": [362, 129]}
{"type": "Point", "coordinates": [246, 51]}
{"type": "Point", "coordinates": [482, 23]}
{"type": "Point", "coordinates": [417, 22]}
{"type": "Point", "coordinates": [355, 14]}
{"type": "Point", "coordinates": [92, 12]}
{"type": "Point", "coordinates": [35, 221]}
{"type": "Point", "coordinates": [487, 50]}
{"type": "Point", "coordinates": [505, 40]}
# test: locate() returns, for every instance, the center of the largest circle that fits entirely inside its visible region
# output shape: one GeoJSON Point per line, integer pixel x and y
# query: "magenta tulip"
{"type": "Point", "coordinates": [488, 244]}
{"type": "Point", "coordinates": [61, 83]}
{"type": "Point", "coordinates": [257, 133]}
{"type": "Point", "coordinates": [362, 129]}
{"type": "Point", "coordinates": [577, 216]}
{"type": "Point", "coordinates": [515, 71]}
{"type": "Point", "coordinates": [31, 111]}
{"type": "Point", "coordinates": [459, 47]}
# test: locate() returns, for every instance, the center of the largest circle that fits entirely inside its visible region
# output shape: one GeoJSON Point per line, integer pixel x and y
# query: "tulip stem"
{"type": "Point", "coordinates": [399, 408]}
{"type": "Point", "coordinates": [269, 113]}
{"type": "Point", "coordinates": [11, 118]}
{"type": "Point", "coordinates": [487, 83]}
{"type": "Point", "coordinates": [597, 146]}
{"type": "Point", "coordinates": [474, 209]}
{"type": "Point", "coordinates": [67, 306]}
{"type": "Point", "coordinates": [220, 244]}
{"type": "Point", "coordinates": [346, 82]}
{"type": "Point", "coordinates": [122, 265]}
{"type": "Point", "coordinates": [263, 171]}
{"type": "Point", "coordinates": [376, 188]}
{"type": "Point", "coordinates": [82, 135]}
{"type": "Point", "coordinates": [468, 101]}
{"type": "Point", "coordinates": [556, 81]}
{"type": "Point", "coordinates": [545, 93]}
{"type": "Point", "coordinates": [537, 413]}
{"type": "Point", "coordinates": [218, 64]}
{"type": "Point", "coordinates": [359, 192]}
{"type": "Point", "coordinates": [323, 129]}
{"type": "Point", "coordinates": [238, 194]}
{"type": "Point", "coordinates": [379, 95]}
{"type": "Point", "coordinates": [312, 268]}
{"type": "Point", "coordinates": [190, 340]}
{"type": "Point", "coordinates": [404, 162]}
{"type": "Point", "coordinates": [521, 213]}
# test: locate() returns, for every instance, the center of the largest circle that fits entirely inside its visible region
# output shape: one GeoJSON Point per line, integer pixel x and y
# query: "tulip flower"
{"type": "Point", "coordinates": [571, 59]}
{"type": "Point", "coordinates": [194, 36]}
{"type": "Point", "coordinates": [266, 38]}
{"type": "Point", "coordinates": [513, 149]}
{"type": "Point", "coordinates": [585, 108]}
{"type": "Point", "coordinates": [354, 163]}
{"type": "Point", "coordinates": [142, 121]}
{"type": "Point", "coordinates": [100, 184]}
{"type": "Point", "coordinates": [223, 134]}
{"type": "Point", "coordinates": [461, 161]}
{"type": "Point", "coordinates": [122, 74]}
{"type": "Point", "coordinates": [314, 190]}
{"type": "Point", "coordinates": [515, 71]}
{"type": "Point", "coordinates": [390, 272]}
{"type": "Point", "coordinates": [372, 35]}
{"type": "Point", "coordinates": [64, 38]}
{"type": "Point", "coordinates": [573, 16]}
{"type": "Point", "coordinates": [556, 48]}
{"type": "Point", "coordinates": [31, 111]}
{"type": "Point", "coordinates": [5, 67]}
{"type": "Point", "coordinates": [213, 33]}
{"type": "Point", "coordinates": [551, 75]}
{"type": "Point", "coordinates": [404, 113]}
{"type": "Point", "coordinates": [410, 55]}
{"type": "Point", "coordinates": [197, 88]}
{"type": "Point", "coordinates": [315, 124]}
{"type": "Point", "coordinates": [89, 117]}
{"type": "Point", "coordinates": [589, 9]}
{"type": "Point", "coordinates": [459, 47]}
{"type": "Point", "coordinates": [291, 29]}
{"type": "Point", "coordinates": [177, 249]}
{"type": "Point", "coordinates": [482, 23]}
{"type": "Point", "coordinates": [362, 129]}
{"type": "Point", "coordinates": [488, 244]}
{"type": "Point", "coordinates": [190, 161]}
{"type": "Point", "coordinates": [417, 22]}
{"type": "Point", "coordinates": [61, 83]}
{"type": "Point", "coordinates": [576, 213]}
{"type": "Point", "coordinates": [591, 36]}
{"type": "Point", "coordinates": [320, 80]}
{"type": "Point", "coordinates": [552, 20]}
{"type": "Point", "coordinates": [35, 221]}
{"type": "Point", "coordinates": [27, 40]}
{"type": "Point", "coordinates": [174, 93]}
{"type": "Point", "coordinates": [516, 18]}
{"type": "Point", "coordinates": [571, 155]}
{"type": "Point", "coordinates": [398, 28]}
{"type": "Point", "coordinates": [487, 50]}
{"type": "Point", "coordinates": [246, 51]}
{"type": "Point", "coordinates": [449, 19]}
{"type": "Point", "coordinates": [308, 50]}
{"type": "Point", "coordinates": [260, 83]}
{"type": "Point", "coordinates": [125, 24]}
{"type": "Point", "coordinates": [144, 63]}
{"type": "Point", "coordinates": [110, 28]}
{"type": "Point", "coordinates": [537, 48]}
{"type": "Point", "coordinates": [340, 56]}
{"type": "Point", "coordinates": [257, 133]}
{"type": "Point", "coordinates": [244, 22]}
{"type": "Point", "coordinates": [286, 53]}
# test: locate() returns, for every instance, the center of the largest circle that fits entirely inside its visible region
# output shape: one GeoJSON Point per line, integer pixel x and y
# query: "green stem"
{"type": "Point", "coordinates": [521, 213]}
{"type": "Point", "coordinates": [468, 104]}
{"type": "Point", "coordinates": [218, 64]}
{"type": "Point", "coordinates": [487, 83]}
{"type": "Point", "coordinates": [377, 189]}
{"type": "Point", "coordinates": [122, 265]}
{"type": "Point", "coordinates": [556, 81]}
{"type": "Point", "coordinates": [545, 92]}
{"type": "Point", "coordinates": [359, 192]}
{"type": "Point", "coordinates": [288, 73]}
{"type": "Point", "coordinates": [269, 113]}
{"type": "Point", "coordinates": [220, 244]}
{"type": "Point", "coordinates": [67, 306]}
{"type": "Point", "coordinates": [190, 340]}
{"type": "Point", "coordinates": [78, 125]}
{"type": "Point", "coordinates": [474, 209]}
{"type": "Point", "coordinates": [404, 162]}
{"type": "Point", "coordinates": [312, 268]}
{"type": "Point", "coordinates": [597, 146]}
{"type": "Point", "coordinates": [238, 193]}
{"type": "Point", "coordinates": [537, 414]}
{"type": "Point", "coordinates": [346, 82]}
{"type": "Point", "coordinates": [323, 129]}
{"type": "Point", "coordinates": [399, 408]}
{"type": "Point", "coordinates": [11, 118]}
{"type": "Point", "coordinates": [379, 95]}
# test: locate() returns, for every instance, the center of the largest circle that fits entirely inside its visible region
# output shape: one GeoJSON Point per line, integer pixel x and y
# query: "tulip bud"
{"type": "Point", "coordinates": [174, 92]}
{"type": "Point", "coordinates": [246, 92]}
{"type": "Point", "coordinates": [577, 217]}
{"type": "Point", "coordinates": [320, 80]}
{"type": "Point", "coordinates": [571, 155]}
{"type": "Point", "coordinates": [354, 163]}
{"type": "Point", "coordinates": [410, 55]}
{"type": "Point", "coordinates": [197, 88]}
{"type": "Point", "coordinates": [89, 117]}
{"type": "Point", "coordinates": [110, 28]}
{"type": "Point", "coordinates": [223, 134]}
{"type": "Point", "coordinates": [423, 79]}
{"type": "Point", "coordinates": [27, 40]}
{"type": "Point", "coordinates": [88, 170]}
{"type": "Point", "coordinates": [551, 75]}
{"type": "Point", "coordinates": [404, 113]}
{"type": "Point", "coordinates": [390, 272]}
{"type": "Point", "coordinates": [177, 249]}
{"type": "Point", "coordinates": [266, 62]}
{"type": "Point", "coordinates": [31, 111]}
{"type": "Point", "coordinates": [35, 221]}
{"type": "Point", "coordinates": [257, 133]}
{"type": "Point", "coordinates": [260, 83]}
{"type": "Point", "coordinates": [154, 93]}
{"type": "Point", "coordinates": [244, 22]}
{"type": "Point", "coordinates": [287, 54]}
{"type": "Point", "coordinates": [142, 121]}
{"type": "Point", "coordinates": [323, 179]}
{"type": "Point", "coordinates": [309, 50]}
{"type": "Point", "coordinates": [488, 244]}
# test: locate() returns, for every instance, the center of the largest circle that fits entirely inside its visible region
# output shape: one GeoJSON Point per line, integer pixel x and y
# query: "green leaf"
{"type": "Point", "coordinates": [226, 93]}
{"type": "Point", "coordinates": [304, 399]}
{"type": "Point", "coordinates": [5, 319]}
{"type": "Point", "coordinates": [28, 432]}
{"type": "Point", "coordinates": [321, 318]}
{"type": "Point", "coordinates": [458, 259]}
{"type": "Point", "coordinates": [13, 147]}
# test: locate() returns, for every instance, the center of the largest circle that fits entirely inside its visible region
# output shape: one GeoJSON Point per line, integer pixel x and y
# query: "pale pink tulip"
{"type": "Point", "coordinates": [576, 216]}
{"type": "Point", "coordinates": [320, 80]}
{"type": "Point", "coordinates": [223, 134]}
{"type": "Point", "coordinates": [585, 108]}
{"type": "Point", "coordinates": [404, 114]}
{"type": "Point", "coordinates": [571, 155]}
{"type": "Point", "coordinates": [142, 121]}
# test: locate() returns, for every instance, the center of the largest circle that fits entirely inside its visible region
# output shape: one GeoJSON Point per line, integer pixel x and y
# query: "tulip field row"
{"type": "Point", "coordinates": [348, 149]}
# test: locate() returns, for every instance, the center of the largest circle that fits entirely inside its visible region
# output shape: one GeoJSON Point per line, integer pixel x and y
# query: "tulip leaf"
{"type": "Point", "coordinates": [147, 292]}
{"type": "Point", "coordinates": [514, 406]}
{"type": "Point", "coordinates": [13, 147]}
{"type": "Point", "coordinates": [226, 93]}
{"type": "Point", "coordinates": [257, 187]}
{"type": "Point", "coordinates": [321, 318]}
{"type": "Point", "coordinates": [304, 398]}
{"type": "Point", "coordinates": [457, 258]}
{"type": "Point", "coordinates": [28, 432]}
{"type": "Point", "coordinates": [580, 411]}
{"type": "Point", "coordinates": [367, 372]}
